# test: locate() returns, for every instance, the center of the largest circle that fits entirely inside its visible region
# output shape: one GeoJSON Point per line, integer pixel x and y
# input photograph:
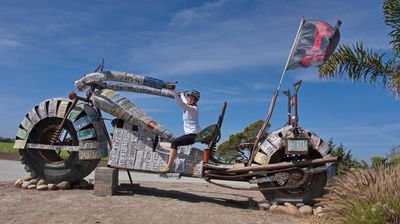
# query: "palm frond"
{"type": "Point", "coordinates": [358, 63]}
{"type": "Point", "coordinates": [391, 9]}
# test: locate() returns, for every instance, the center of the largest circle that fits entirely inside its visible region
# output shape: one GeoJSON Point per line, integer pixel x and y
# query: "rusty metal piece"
{"type": "Point", "coordinates": [262, 129]}
{"type": "Point", "coordinates": [287, 93]}
{"type": "Point", "coordinates": [249, 188]}
{"type": "Point", "coordinates": [57, 132]}
{"type": "Point", "coordinates": [284, 165]}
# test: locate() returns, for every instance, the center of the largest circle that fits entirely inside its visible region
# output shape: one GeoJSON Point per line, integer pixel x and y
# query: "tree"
{"type": "Point", "coordinates": [377, 161]}
{"type": "Point", "coordinates": [2, 139]}
{"type": "Point", "coordinates": [347, 162]}
{"type": "Point", "coordinates": [227, 151]}
{"type": "Point", "coordinates": [364, 64]}
{"type": "Point", "coordinates": [393, 156]}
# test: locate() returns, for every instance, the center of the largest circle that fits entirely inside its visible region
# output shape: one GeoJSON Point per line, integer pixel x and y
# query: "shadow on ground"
{"type": "Point", "coordinates": [246, 203]}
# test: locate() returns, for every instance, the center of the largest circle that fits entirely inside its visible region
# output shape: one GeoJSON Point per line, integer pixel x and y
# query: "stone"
{"type": "Point", "coordinates": [83, 184]}
{"type": "Point", "coordinates": [91, 181]}
{"type": "Point", "coordinates": [319, 211]}
{"type": "Point", "coordinates": [291, 209]}
{"type": "Point", "coordinates": [42, 182]}
{"type": "Point", "coordinates": [42, 187]}
{"type": "Point", "coordinates": [18, 183]}
{"type": "Point", "coordinates": [33, 181]}
{"type": "Point", "coordinates": [28, 178]}
{"type": "Point", "coordinates": [52, 187]}
{"type": "Point", "coordinates": [31, 186]}
{"type": "Point", "coordinates": [25, 184]}
{"type": "Point", "coordinates": [278, 208]}
{"type": "Point", "coordinates": [264, 206]}
{"type": "Point", "coordinates": [65, 185]}
{"type": "Point", "coordinates": [298, 205]}
{"type": "Point", "coordinates": [306, 210]}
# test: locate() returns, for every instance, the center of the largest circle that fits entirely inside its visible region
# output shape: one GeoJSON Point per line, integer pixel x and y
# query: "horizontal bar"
{"type": "Point", "coordinates": [53, 147]}
{"type": "Point", "coordinates": [284, 165]}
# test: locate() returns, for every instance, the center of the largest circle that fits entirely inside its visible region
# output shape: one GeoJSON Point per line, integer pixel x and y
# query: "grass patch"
{"type": "Point", "coordinates": [7, 147]}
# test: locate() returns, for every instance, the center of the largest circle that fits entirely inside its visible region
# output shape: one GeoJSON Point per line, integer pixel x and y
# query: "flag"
{"type": "Point", "coordinates": [315, 42]}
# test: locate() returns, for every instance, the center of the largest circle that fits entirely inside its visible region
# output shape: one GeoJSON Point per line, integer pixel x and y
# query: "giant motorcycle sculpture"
{"type": "Point", "coordinates": [290, 165]}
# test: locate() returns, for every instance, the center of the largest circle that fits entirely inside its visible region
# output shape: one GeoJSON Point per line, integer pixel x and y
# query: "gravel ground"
{"type": "Point", "coordinates": [151, 202]}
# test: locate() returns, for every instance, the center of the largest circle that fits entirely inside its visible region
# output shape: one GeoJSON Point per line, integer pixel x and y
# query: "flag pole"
{"type": "Point", "coordinates": [291, 52]}
{"type": "Point", "coordinates": [272, 105]}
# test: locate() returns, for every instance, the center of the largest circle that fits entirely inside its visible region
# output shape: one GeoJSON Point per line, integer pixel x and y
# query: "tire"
{"type": "Point", "coordinates": [313, 186]}
{"type": "Point", "coordinates": [311, 189]}
{"type": "Point", "coordinates": [48, 164]}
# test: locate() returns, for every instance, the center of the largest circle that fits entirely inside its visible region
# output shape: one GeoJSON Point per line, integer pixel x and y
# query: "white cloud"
{"type": "Point", "coordinates": [188, 16]}
{"type": "Point", "coordinates": [204, 39]}
{"type": "Point", "coordinates": [9, 43]}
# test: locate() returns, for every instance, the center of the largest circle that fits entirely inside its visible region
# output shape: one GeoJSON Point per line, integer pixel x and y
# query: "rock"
{"type": "Point", "coordinates": [278, 208]}
{"type": "Point", "coordinates": [42, 182]}
{"type": "Point", "coordinates": [91, 181]}
{"type": "Point", "coordinates": [298, 205]}
{"type": "Point", "coordinates": [306, 210]}
{"type": "Point", "coordinates": [83, 184]}
{"type": "Point", "coordinates": [52, 187]}
{"type": "Point", "coordinates": [65, 185]}
{"type": "Point", "coordinates": [31, 186]}
{"type": "Point", "coordinates": [25, 184]}
{"type": "Point", "coordinates": [28, 178]}
{"type": "Point", "coordinates": [33, 181]}
{"type": "Point", "coordinates": [291, 209]}
{"type": "Point", "coordinates": [264, 206]}
{"type": "Point", "coordinates": [18, 183]}
{"type": "Point", "coordinates": [319, 211]}
{"type": "Point", "coordinates": [42, 187]}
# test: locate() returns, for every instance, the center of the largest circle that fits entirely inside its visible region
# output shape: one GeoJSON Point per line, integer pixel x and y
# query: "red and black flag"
{"type": "Point", "coordinates": [314, 44]}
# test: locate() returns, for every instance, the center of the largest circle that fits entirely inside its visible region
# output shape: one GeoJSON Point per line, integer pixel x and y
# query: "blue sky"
{"type": "Point", "coordinates": [231, 51]}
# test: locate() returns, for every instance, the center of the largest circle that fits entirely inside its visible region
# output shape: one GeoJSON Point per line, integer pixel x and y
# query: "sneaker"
{"type": "Point", "coordinates": [165, 169]}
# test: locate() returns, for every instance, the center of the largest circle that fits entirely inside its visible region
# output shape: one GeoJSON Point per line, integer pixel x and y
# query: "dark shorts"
{"type": "Point", "coordinates": [183, 140]}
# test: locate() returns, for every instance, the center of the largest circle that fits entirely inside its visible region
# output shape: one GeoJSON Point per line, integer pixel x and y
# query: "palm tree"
{"type": "Point", "coordinates": [364, 64]}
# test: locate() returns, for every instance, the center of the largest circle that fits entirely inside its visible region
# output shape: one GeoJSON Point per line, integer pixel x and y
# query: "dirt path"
{"type": "Point", "coordinates": [152, 202]}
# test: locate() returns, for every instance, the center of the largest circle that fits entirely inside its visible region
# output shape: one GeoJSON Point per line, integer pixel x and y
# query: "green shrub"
{"type": "Point", "coordinates": [365, 196]}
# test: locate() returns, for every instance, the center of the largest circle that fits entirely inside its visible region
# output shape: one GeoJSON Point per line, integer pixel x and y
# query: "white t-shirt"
{"type": "Point", "coordinates": [190, 116]}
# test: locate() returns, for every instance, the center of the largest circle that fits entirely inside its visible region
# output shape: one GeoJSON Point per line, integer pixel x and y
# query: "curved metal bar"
{"type": "Point", "coordinates": [119, 77]}
{"type": "Point", "coordinates": [139, 89]}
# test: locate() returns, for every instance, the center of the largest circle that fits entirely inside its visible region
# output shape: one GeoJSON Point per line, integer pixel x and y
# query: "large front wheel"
{"type": "Point", "coordinates": [55, 166]}
{"type": "Point", "coordinates": [39, 126]}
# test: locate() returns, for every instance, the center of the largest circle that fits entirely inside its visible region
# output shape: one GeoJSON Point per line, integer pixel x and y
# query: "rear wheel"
{"type": "Point", "coordinates": [313, 186]}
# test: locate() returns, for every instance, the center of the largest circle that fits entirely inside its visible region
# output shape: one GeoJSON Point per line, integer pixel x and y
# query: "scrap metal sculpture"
{"type": "Point", "coordinates": [64, 139]}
